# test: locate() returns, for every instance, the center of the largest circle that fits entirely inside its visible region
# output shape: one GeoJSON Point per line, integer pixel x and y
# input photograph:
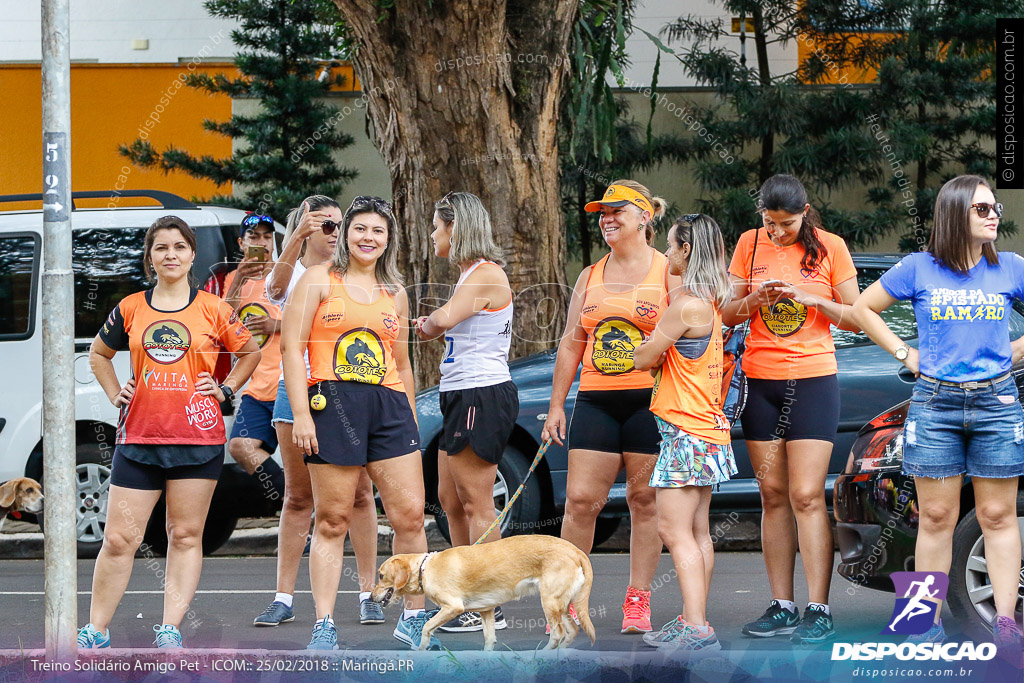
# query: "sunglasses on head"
{"type": "Point", "coordinates": [691, 217]}
{"type": "Point", "coordinates": [983, 209]}
{"type": "Point", "coordinates": [254, 220]}
{"type": "Point", "coordinates": [329, 226]}
{"type": "Point", "coordinates": [363, 202]}
{"type": "Point", "coordinates": [447, 198]}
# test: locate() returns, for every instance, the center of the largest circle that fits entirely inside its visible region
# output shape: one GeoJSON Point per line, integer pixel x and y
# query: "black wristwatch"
{"type": "Point", "coordinates": [228, 393]}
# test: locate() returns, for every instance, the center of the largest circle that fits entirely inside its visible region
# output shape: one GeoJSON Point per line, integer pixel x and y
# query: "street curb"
{"type": "Point", "coordinates": [732, 531]}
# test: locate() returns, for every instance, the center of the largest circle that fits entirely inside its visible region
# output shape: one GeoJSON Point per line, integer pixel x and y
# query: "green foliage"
{"type": "Point", "coordinates": [286, 147]}
{"type": "Point", "coordinates": [932, 103]}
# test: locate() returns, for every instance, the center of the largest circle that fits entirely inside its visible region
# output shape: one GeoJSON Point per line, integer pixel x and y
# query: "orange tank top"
{"type": "Point", "coordinates": [687, 392]}
{"type": "Point", "coordinates": [351, 342]}
{"type": "Point", "coordinates": [617, 323]}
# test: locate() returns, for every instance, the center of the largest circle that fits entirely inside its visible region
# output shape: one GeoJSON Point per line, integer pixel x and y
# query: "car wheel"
{"type": "Point", "coordinates": [218, 529]}
{"type": "Point", "coordinates": [970, 590]}
{"type": "Point", "coordinates": [524, 517]}
{"type": "Point", "coordinates": [92, 487]}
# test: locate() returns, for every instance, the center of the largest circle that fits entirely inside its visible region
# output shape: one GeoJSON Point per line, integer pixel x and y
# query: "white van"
{"type": "Point", "coordinates": [107, 245]}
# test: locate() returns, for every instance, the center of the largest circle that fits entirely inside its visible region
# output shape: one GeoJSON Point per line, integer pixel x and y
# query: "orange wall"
{"type": "Point", "coordinates": [109, 104]}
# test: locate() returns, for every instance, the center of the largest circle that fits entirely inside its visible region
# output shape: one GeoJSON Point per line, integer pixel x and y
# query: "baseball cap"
{"type": "Point", "coordinates": [253, 221]}
{"type": "Point", "coordinates": [620, 195]}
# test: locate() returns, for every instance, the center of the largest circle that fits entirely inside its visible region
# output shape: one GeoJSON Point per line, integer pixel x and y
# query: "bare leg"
{"type": "Point", "coordinates": [334, 489]}
{"type": "Point", "coordinates": [644, 541]}
{"type": "Point", "coordinates": [677, 508]}
{"type": "Point", "coordinates": [293, 528]}
{"type": "Point", "coordinates": [808, 467]}
{"type": "Point", "coordinates": [128, 512]}
{"type": "Point", "coordinates": [188, 502]}
{"type": "Point", "coordinates": [474, 485]}
{"type": "Point", "coordinates": [448, 496]}
{"type": "Point", "coordinates": [400, 481]}
{"type": "Point", "coordinates": [363, 533]}
{"type": "Point", "coordinates": [939, 503]}
{"type": "Point", "coordinates": [997, 515]}
{"type": "Point", "coordinates": [778, 525]}
{"type": "Point", "coordinates": [590, 478]}
{"type": "Point", "coordinates": [247, 453]}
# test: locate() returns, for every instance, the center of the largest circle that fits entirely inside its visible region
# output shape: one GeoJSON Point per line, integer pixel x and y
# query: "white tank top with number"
{"type": "Point", "coordinates": [476, 350]}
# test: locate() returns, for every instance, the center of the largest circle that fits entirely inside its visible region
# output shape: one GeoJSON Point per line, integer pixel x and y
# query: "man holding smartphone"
{"type": "Point", "coordinates": [253, 437]}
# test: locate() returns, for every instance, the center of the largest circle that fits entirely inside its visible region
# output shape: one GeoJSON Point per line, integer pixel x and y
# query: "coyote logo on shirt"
{"type": "Point", "coordinates": [784, 317]}
{"type": "Point", "coordinates": [359, 357]}
{"type": "Point", "coordinates": [615, 340]}
{"type": "Point", "coordinates": [254, 310]}
{"type": "Point", "coordinates": [166, 341]}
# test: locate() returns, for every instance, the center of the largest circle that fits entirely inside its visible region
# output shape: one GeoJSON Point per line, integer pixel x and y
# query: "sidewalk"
{"type": "Point", "coordinates": [258, 536]}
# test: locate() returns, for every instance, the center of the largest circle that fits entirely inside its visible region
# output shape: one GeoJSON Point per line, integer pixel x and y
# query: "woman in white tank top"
{"type": "Point", "coordinates": [478, 399]}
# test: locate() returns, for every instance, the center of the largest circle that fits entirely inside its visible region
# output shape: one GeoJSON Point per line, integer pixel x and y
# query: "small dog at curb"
{"type": "Point", "coordinates": [480, 577]}
{"type": "Point", "coordinates": [20, 495]}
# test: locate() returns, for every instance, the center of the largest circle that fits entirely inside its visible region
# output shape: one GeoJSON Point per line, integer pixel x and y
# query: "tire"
{"type": "Point", "coordinates": [524, 517]}
{"type": "Point", "coordinates": [218, 529]}
{"type": "Point", "coordinates": [605, 528]}
{"type": "Point", "coordinates": [92, 487]}
{"type": "Point", "coordinates": [970, 591]}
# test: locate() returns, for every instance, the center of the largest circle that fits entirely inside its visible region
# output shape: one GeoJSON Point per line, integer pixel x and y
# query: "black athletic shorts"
{"type": "Point", "coordinates": [362, 423]}
{"type": "Point", "coordinates": [132, 474]}
{"type": "Point", "coordinates": [613, 421]}
{"type": "Point", "coordinates": [791, 409]}
{"type": "Point", "coordinates": [481, 417]}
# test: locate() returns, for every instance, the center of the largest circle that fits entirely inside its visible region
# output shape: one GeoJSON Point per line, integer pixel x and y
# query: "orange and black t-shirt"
{"type": "Point", "coordinates": [688, 390]}
{"type": "Point", "coordinates": [169, 349]}
{"type": "Point", "coordinates": [617, 323]}
{"type": "Point", "coordinates": [789, 340]}
{"type": "Point", "coordinates": [351, 342]}
{"type": "Point", "coordinates": [253, 301]}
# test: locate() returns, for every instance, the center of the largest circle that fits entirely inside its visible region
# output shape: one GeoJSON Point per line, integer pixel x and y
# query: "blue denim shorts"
{"type": "Point", "coordinates": [951, 430]}
{"type": "Point", "coordinates": [282, 408]}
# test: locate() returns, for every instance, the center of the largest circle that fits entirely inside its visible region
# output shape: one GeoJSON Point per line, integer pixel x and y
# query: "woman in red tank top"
{"type": "Point", "coordinates": [357, 408]}
{"type": "Point", "coordinates": [616, 303]}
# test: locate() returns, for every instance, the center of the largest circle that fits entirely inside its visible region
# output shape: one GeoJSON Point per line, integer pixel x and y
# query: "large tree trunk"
{"type": "Point", "coordinates": [485, 124]}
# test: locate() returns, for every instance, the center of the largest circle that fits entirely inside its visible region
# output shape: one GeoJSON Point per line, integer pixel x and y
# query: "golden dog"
{"type": "Point", "coordinates": [481, 577]}
{"type": "Point", "coordinates": [20, 495]}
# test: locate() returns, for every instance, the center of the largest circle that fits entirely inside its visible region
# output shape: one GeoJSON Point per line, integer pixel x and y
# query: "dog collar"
{"type": "Point", "coordinates": [423, 564]}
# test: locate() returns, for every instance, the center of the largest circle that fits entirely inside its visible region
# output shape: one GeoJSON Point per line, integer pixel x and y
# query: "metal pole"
{"type": "Point", "coordinates": [58, 338]}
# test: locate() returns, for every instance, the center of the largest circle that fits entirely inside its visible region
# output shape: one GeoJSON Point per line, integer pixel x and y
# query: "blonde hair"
{"type": "Point", "coordinates": [386, 269]}
{"type": "Point", "coordinates": [706, 276]}
{"type": "Point", "coordinates": [472, 236]}
{"type": "Point", "coordinates": [315, 202]}
{"type": "Point", "coordinates": [658, 203]}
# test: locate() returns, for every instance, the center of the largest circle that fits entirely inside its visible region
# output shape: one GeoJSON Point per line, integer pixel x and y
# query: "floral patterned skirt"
{"type": "Point", "coordinates": [686, 460]}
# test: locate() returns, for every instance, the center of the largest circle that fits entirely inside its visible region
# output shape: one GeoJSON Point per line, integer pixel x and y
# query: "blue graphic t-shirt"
{"type": "Point", "coordinates": [962, 320]}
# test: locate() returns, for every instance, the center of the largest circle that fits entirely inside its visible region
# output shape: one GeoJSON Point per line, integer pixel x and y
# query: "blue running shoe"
{"type": "Point", "coordinates": [410, 631]}
{"type": "Point", "coordinates": [936, 634]}
{"type": "Point", "coordinates": [167, 636]}
{"type": "Point", "coordinates": [370, 612]}
{"type": "Point", "coordinates": [816, 627]}
{"type": "Point", "coordinates": [89, 637]}
{"type": "Point", "coordinates": [681, 634]}
{"type": "Point", "coordinates": [325, 636]}
{"type": "Point", "coordinates": [276, 613]}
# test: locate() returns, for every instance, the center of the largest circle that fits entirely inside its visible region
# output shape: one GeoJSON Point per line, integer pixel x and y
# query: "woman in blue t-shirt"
{"type": "Point", "coordinates": [964, 417]}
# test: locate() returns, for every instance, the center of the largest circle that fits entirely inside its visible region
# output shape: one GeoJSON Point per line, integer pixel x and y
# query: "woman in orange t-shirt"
{"type": "Point", "coordinates": [793, 281]}
{"type": "Point", "coordinates": [615, 306]}
{"type": "Point", "coordinates": [696, 452]}
{"type": "Point", "coordinates": [170, 436]}
{"type": "Point", "coordinates": [356, 409]}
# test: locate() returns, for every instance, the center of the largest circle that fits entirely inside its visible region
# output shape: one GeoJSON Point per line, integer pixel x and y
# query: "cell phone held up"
{"type": "Point", "coordinates": [256, 253]}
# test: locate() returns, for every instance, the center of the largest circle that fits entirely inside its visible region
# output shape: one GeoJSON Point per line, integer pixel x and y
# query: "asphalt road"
{"type": "Point", "coordinates": [233, 590]}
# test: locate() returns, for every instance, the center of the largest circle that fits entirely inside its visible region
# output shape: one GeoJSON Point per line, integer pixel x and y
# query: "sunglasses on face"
{"type": "Point", "coordinates": [983, 209]}
{"type": "Point", "coordinates": [329, 226]}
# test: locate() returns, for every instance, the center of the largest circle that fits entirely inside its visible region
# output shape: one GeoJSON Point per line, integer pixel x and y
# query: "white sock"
{"type": "Point", "coordinates": [410, 613]}
{"type": "Point", "coordinates": [286, 598]}
{"type": "Point", "coordinates": [327, 619]}
{"type": "Point", "coordinates": [787, 604]}
{"type": "Point", "coordinates": [364, 595]}
{"type": "Point", "coordinates": [820, 606]}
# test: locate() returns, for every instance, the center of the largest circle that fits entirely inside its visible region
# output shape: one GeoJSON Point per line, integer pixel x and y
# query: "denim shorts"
{"type": "Point", "coordinates": [951, 431]}
{"type": "Point", "coordinates": [282, 408]}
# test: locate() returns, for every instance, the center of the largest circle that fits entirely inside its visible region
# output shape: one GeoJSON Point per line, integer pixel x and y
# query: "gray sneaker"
{"type": "Point", "coordinates": [276, 613]}
{"type": "Point", "coordinates": [370, 612]}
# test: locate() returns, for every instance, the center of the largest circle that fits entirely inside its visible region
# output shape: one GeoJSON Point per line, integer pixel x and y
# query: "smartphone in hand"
{"type": "Point", "coordinates": [256, 252]}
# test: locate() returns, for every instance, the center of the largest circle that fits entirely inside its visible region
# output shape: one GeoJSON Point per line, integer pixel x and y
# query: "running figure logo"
{"type": "Point", "coordinates": [914, 613]}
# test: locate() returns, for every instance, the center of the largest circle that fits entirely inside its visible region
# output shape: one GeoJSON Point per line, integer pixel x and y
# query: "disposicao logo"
{"type": "Point", "coordinates": [922, 592]}
{"type": "Point", "coordinates": [914, 614]}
